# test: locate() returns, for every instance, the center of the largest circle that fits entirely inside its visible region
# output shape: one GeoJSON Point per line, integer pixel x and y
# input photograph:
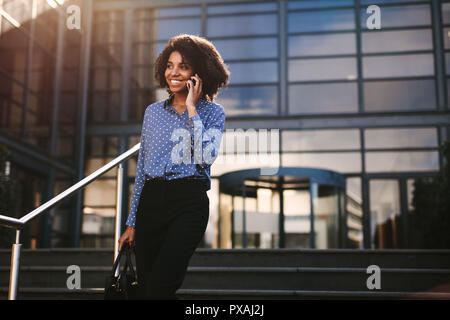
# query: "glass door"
{"type": "Point", "coordinates": [385, 214]}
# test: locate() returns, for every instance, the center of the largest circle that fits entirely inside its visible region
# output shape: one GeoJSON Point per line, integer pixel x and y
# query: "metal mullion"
{"type": "Point", "coordinates": [239, 14]}
{"type": "Point", "coordinates": [396, 53]}
{"type": "Point", "coordinates": [320, 9]}
{"type": "Point", "coordinates": [403, 174]}
{"type": "Point", "coordinates": [401, 4]}
{"type": "Point", "coordinates": [276, 59]}
{"type": "Point", "coordinates": [399, 78]}
{"type": "Point", "coordinates": [324, 56]}
{"type": "Point", "coordinates": [244, 36]}
{"type": "Point", "coordinates": [321, 81]}
{"type": "Point", "coordinates": [321, 151]}
{"type": "Point", "coordinates": [282, 40]}
{"type": "Point", "coordinates": [322, 32]}
{"type": "Point", "coordinates": [418, 149]}
{"type": "Point", "coordinates": [399, 28]}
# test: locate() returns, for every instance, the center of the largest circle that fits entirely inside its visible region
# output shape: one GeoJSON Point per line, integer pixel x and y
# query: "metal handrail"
{"type": "Point", "coordinates": [19, 224]}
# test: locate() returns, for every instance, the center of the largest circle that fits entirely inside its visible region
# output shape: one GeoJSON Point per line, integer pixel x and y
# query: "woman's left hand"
{"type": "Point", "coordinates": [194, 91]}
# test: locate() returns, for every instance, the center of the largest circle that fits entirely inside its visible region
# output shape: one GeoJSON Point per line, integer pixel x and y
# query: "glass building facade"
{"type": "Point", "coordinates": [369, 104]}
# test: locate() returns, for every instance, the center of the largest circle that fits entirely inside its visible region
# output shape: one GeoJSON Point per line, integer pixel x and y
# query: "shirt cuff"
{"type": "Point", "coordinates": [190, 122]}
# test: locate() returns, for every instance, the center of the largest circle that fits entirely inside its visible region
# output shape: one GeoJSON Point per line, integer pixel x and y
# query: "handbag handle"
{"type": "Point", "coordinates": [130, 262]}
{"type": "Point", "coordinates": [124, 248]}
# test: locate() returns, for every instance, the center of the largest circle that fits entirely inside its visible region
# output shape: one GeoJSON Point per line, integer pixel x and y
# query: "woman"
{"type": "Point", "coordinates": [180, 139]}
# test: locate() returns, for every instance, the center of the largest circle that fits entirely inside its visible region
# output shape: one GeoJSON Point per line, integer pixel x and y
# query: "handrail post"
{"type": "Point", "coordinates": [15, 265]}
{"type": "Point", "coordinates": [118, 228]}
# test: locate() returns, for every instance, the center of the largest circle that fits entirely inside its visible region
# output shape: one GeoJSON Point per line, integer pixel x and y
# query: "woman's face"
{"type": "Point", "coordinates": [178, 72]}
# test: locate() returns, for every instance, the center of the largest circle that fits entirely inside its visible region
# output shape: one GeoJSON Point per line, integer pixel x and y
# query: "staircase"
{"type": "Point", "coordinates": [248, 274]}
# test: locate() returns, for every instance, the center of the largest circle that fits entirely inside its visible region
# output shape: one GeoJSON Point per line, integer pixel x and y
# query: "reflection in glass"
{"type": "Point", "coordinates": [310, 98]}
{"type": "Point", "coordinates": [446, 13]}
{"type": "Point", "coordinates": [401, 16]}
{"type": "Point", "coordinates": [326, 218]}
{"type": "Point", "coordinates": [172, 27]}
{"type": "Point", "coordinates": [398, 66]}
{"type": "Point", "coordinates": [322, 69]}
{"type": "Point", "coordinates": [297, 224]}
{"type": "Point", "coordinates": [247, 48]}
{"type": "Point", "coordinates": [249, 100]}
{"type": "Point", "coordinates": [447, 63]}
{"type": "Point", "coordinates": [242, 25]}
{"type": "Point", "coordinates": [329, 20]}
{"type": "Point", "coordinates": [393, 41]}
{"type": "Point", "coordinates": [143, 54]}
{"type": "Point", "coordinates": [253, 72]}
{"type": "Point", "coordinates": [401, 138]}
{"type": "Point", "coordinates": [342, 162]}
{"type": "Point", "coordinates": [369, 2]}
{"type": "Point", "coordinates": [323, 44]}
{"type": "Point", "coordinates": [402, 161]}
{"type": "Point", "coordinates": [386, 224]}
{"type": "Point", "coordinates": [354, 213]}
{"type": "Point", "coordinates": [179, 12]}
{"type": "Point", "coordinates": [318, 4]}
{"type": "Point", "coordinates": [240, 8]}
{"type": "Point", "coordinates": [446, 35]}
{"type": "Point", "coordinates": [309, 140]}
{"type": "Point", "coordinates": [399, 95]}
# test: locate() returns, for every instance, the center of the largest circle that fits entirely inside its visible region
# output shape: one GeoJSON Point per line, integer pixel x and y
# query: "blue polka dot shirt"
{"type": "Point", "coordinates": [175, 146]}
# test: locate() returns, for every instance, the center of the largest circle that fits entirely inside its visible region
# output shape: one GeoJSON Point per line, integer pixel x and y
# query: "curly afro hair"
{"type": "Point", "coordinates": [203, 57]}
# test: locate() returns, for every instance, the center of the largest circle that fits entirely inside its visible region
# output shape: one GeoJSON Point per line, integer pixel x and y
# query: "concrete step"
{"type": "Point", "coordinates": [201, 294]}
{"type": "Point", "coordinates": [258, 278]}
{"type": "Point", "coordinates": [439, 259]}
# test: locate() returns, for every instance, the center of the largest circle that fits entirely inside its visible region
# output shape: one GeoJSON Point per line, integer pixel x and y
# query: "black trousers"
{"type": "Point", "coordinates": [171, 220]}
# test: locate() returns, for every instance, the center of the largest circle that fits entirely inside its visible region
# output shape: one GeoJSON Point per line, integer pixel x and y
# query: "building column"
{"type": "Point", "coordinates": [46, 220]}
{"type": "Point", "coordinates": [82, 115]}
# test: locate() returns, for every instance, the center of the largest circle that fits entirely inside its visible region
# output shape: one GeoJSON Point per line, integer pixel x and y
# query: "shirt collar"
{"type": "Point", "coordinates": [200, 104]}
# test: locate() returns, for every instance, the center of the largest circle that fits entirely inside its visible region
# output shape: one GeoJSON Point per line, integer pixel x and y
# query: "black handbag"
{"type": "Point", "coordinates": [124, 286]}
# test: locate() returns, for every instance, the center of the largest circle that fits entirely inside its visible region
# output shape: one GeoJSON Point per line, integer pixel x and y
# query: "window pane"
{"type": "Point", "coordinates": [385, 214]}
{"type": "Point", "coordinates": [398, 66]}
{"type": "Point", "coordinates": [401, 138]}
{"type": "Point", "coordinates": [324, 44]}
{"type": "Point", "coordinates": [447, 63]}
{"type": "Point", "coordinates": [446, 36]}
{"type": "Point", "coordinates": [354, 213]}
{"type": "Point", "coordinates": [446, 13]}
{"type": "Point", "coordinates": [369, 2]}
{"type": "Point", "coordinates": [401, 16]}
{"type": "Point", "coordinates": [247, 48]}
{"type": "Point", "coordinates": [322, 69]}
{"type": "Point", "coordinates": [172, 27]}
{"type": "Point", "coordinates": [399, 95]}
{"type": "Point", "coordinates": [319, 140]}
{"type": "Point", "coordinates": [179, 12]}
{"type": "Point", "coordinates": [144, 54]}
{"type": "Point", "coordinates": [242, 25]}
{"type": "Point", "coordinates": [320, 20]}
{"type": "Point", "coordinates": [318, 4]}
{"type": "Point", "coordinates": [253, 72]}
{"type": "Point", "coordinates": [310, 98]}
{"type": "Point", "coordinates": [402, 161]}
{"type": "Point", "coordinates": [249, 100]}
{"type": "Point", "coordinates": [392, 41]}
{"type": "Point", "coordinates": [240, 8]}
{"type": "Point", "coordinates": [344, 162]}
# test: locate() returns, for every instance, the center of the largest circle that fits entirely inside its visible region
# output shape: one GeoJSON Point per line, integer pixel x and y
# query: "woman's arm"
{"type": "Point", "coordinates": [206, 139]}
{"type": "Point", "coordinates": [140, 174]}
